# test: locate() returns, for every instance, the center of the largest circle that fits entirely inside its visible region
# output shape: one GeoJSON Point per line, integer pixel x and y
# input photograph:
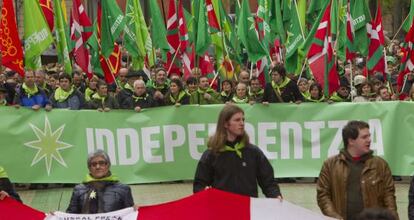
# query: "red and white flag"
{"type": "Point", "coordinates": [173, 39]}
{"type": "Point", "coordinates": [80, 32]}
{"type": "Point", "coordinates": [376, 58]}
{"type": "Point", "coordinates": [184, 49]}
{"type": "Point", "coordinates": [219, 205]}
{"type": "Point", "coordinates": [350, 35]}
{"type": "Point", "coordinates": [320, 56]}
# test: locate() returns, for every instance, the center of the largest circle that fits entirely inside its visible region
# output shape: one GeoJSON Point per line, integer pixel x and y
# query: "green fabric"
{"type": "Point", "coordinates": [260, 92]}
{"type": "Point", "coordinates": [306, 94]}
{"type": "Point", "coordinates": [37, 35]}
{"type": "Point", "coordinates": [203, 39]}
{"type": "Point", "coordinates": [336, 98]}
{"type": "Point", "coordinates": [276, 23]}
{"type": "Point", "coordinates": [111, 178]}
{"type": "Point", "coordinates": [61, 95]}
{"type": "Point", "coordinates": [248, 35]}
{"type": "Point", "coordinates": [177, 99]}
{"type": "Point", "coordinates": [322, 99]}
{"type": "Point", "coordinates": [409, 20]}
{"type": "Point", "coordinates": [112, 24]}
{"type": "Point", "coordinates": [208, 90]}
{"type": "Point", "coordinates": [361, 16]}
{"type": "Point", "coordinates": [294, 37]}
{"type": "Point", "coordinates": [158, 31]}
{"type": "Point", "coordinates": [30, 91]}
{"type": "Point", "coordinates": [237, 100]}
{"type": "Point", "coordinates": [224, 94]}
{"type": "Point", "coordinates": [137, 98]}
{"type": "Point", "coordinates": [237, 149]}
{"type": "Point", "coordinates": [129, 87]}
{"type": "Point", "coordinates": [3, 173]}
{"type": "Point", "coordinates": [88, 94]}
{"type": "Point", "coordinates": [98, 97]}
{"type": "Point", "coordinates": [61, 33]}
{"type": "Point", "coordinates": [284, 83]}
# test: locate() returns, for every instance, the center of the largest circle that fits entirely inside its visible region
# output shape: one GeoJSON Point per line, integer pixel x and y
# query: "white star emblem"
{"type": "Point", "coordinates": [48, 145]}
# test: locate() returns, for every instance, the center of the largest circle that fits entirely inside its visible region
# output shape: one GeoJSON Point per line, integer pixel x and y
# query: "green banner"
{"type": "Point", "coordinates": [164, 144]}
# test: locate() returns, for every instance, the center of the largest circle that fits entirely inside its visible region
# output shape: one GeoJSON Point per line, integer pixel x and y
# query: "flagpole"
{"type": "Point", "coordinates": [175, 56]}
{"type": "Point", "coordinates": [352, 81]}
{"type": "Point", "coordinates": [216, 73]}
{"type": "Point", "coordinates": [301, 72]}
{"type": "Point", "coordinates": [399, 29]}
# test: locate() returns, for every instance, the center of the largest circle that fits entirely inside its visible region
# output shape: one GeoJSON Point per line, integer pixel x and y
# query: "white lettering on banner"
{"type": "Point", "coordinates": [116, 23]}
{"type": "Point", "coordinates": [337, 141]}
{"type": "Point", "coordinates": [264, 140]}
{"type": "Point", "coordinates": [123, 135]}
{"type": "Point", "coordinates": [285, 127]}
{"type": "Point", "coordinates": [35, 38]}
{"type": "Point", "coordinates": [277, 140]}
{"type": "Point", "coordinates": [123, 214]}
{"type": "Point", "coordinates": [148, 144]}
{"type": "Point", "coordinates": [171, 141]}
{"type": "Point", "coordinates": [315, 128]}
{"type": "Point", "coordinates": [358, 20]}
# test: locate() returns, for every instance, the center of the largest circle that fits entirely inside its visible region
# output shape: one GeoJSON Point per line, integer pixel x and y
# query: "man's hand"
{"type": "Point", "coordinates": [137, 109]}
{"type": "Point", "coordinates": [207, 96]}
{"type": "Point", "coordinates": [3, 195]}
{"type": "Point", "coordinates": [36, 107]}
{"type": "Point", "coordinates": [48, 108]}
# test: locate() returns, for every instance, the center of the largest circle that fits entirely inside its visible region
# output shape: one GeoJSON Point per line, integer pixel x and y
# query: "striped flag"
{"type": "Point", "coordinates": [376, 58]}
{"type": "Point", "coordinates": [184, 49]}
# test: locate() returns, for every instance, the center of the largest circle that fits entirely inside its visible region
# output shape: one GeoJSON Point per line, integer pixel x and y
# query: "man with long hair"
{"type": "Point", "coordinates": [231, 163]}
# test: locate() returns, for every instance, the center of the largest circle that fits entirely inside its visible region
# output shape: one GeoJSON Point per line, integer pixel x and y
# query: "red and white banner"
{"type": "Point", "coordinates": [210, 204]}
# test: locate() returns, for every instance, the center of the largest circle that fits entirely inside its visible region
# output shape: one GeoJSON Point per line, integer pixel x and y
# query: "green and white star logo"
{"type": "Point", "coordinates": [48, 145]}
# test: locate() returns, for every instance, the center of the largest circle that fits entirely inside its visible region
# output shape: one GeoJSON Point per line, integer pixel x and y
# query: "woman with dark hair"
{"type": "Point", "coordinates": [226, 90]}
{"type": "Point", "coordinates": [177, 95]}
{"type": "Point", "coordinates": [364, 93]}
{"type": "Point", "coordinates": [281, 88]}
{"type": "Point", "coordinates": [101, 191]}
{"type": "Point", "coordinates": [315, 93]}
{"type": "Point", "coordinates": [231, 163]}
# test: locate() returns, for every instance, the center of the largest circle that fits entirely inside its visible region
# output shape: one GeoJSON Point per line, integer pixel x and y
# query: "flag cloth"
{"type": "Point", "coordinates": [219, 205]}
{"type": "Point", "coordinates": [37, 35]}
{"type": "Point", "coordinates": [173, 39]}
{"type": "Point", "coordinates": [320, 55]}
{"type": "Point", "coordinates": [263, 30]}
{"type": "Point", "coordinates": [123, 214]}
{"type": "Point", "coordinates": [80, 32]}
{"type": "Point", "coordinates": [409, 20]}
{"type": "Point", "coordinates": [62, 38]}
{"type": "Point", "coordinates": [350, 35]}
{"type": "Point", "coordinates": [314, 9]}
{"type": "Point", "coordinates": [294, 37]}
{"type": "Point", "coordinates": [186, 52]}
{"type": "Point", "coordinates": [158, 31]}
{"type": "Point", "coordinates": [48, 12]}
{"type": "Point", "coordinates": [10, 46]}
{"type": "Point", "coordinates": [112, 24]}
{"type": "Point", "coordinates": [203, 39]}
{"type": "Point", "coordinates": [407, 62]}
{"type": "Point", "coordinates": [11, 209]}
{"type": "Point", "coordinates": [212, 17]}
{"type": "Point", "coordinates": [248, 36]}
{"type": "Point", "coordinates": [277, 29]}
{"type": "Point", "coordinates": [339, 27]}
{"type": "Point", "coordinates": [361, 17]}
{"type": "Point", "coordinates": [376, 58]}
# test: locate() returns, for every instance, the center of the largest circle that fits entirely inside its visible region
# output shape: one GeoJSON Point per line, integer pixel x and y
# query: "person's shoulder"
{"type": "Point", "coordinates": [80, 187]}
{"type": "Point", "coordinates": [378, 160]}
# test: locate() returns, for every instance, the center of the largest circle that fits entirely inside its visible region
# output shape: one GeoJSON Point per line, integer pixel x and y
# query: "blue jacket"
{"type": "Point", "coordinates": [23, 99]}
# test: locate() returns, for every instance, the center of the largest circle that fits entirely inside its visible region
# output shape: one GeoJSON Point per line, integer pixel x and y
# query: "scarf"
{"type": "Point", "coordinates": [315, 100]}
{"type": "Point", "coordinates": [137, 98]}
{"type": "Point", "coordinates": [3, 173]}
{"type": "Point", "coordinates": [224, 94]}
{"type": "Point", "coordinates": [128, 87]}
{"type": "Point", "coordinates": [29, 91]}
{"type": "Point", "coordinates": [177, 99]}
{"type": "Point", "coordinates": [237, 100]}
{"type": "Point", "coordinates": [260, 92]}
{"type": "Point", "coordinates": [61, 95]}
{"type": "Point", "coordinates": [110, 178]}
{"type": "Point", "coordinates": [237, 148]}
{"type": "Point", "coordinates": [88, 94]}
{"type": "Point", "coordinates": [98, 97]}
{"type": "Point", "coordinates": [208, 90]}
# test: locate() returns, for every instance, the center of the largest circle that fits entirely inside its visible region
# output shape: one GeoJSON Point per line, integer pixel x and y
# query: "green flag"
{"type": "Point", "coordinates": [409, 20]}
{"type": "Point", "coordinates": [61, 37]}
{"type": "Point", "coordinates": [294, 37]}
{"type": "Point", "coordinates": [137, 35]}
{"type": "Point", "coordinates": [93, 43]}
{"type": "Point", "coordinates": [361, 16]}
{"type": "Point", "coordinates": [276, 22]}
{"type": "Point", "coordinates": [314, 9]}
{"type": "Point", "coordinates": [203, 39]}
{"type": "Point", "coordinates": [158, 32]}
{"type": "Point", "coordinates": [248, 36]}
{"type": "Point", "coordinates": [112, 24]}
{"type": "Point", "coordinates": [339, 29]}
{"type": "Point", "coordinates": [37, 35]}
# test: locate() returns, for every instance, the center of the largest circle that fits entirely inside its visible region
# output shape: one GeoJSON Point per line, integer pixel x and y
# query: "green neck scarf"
{"type": "Point", "coordinates": [3, 102]}
{"type": "Point", "coordinates": [3, 173]}
{"type": "Point", "coordinates": [61, 95]}
{"type": "Point", "coordinates": [237, 100]}
{"type": "Point", "coordinates": [128, 87]}
{"type": "Point", "coordinates": [309, 98]}
{"type": "Point", "coordinates": [224, 94]}
{"type": "Point", "coordinates": [177, 99]}
{"type": "Point", "coordinates": [282, 85]}
{"type": "Point", "coordinates": [110, 178]}
{"type": "Point", "coordinates": [137, 98]}
{"type": "Point", "coordinates": [336, 98]}
{"type": "Point", "coordinates": [98, 97]}
{"type": "Point", "coordinates": [260, 92]}
{"type": "Point", "coordinates": [30, 91]}
{"type": "Point", "coordinates": [88, 94]}
{"type": "Point", "coordinates": [237, 148]}
{"type": "Point", "coordinates": [208, 90]}
{"type": "Point", "coordinates": [305, 94]}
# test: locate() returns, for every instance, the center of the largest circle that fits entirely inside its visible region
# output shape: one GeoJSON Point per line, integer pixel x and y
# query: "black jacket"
{"type": "Point", "coordinates": [289, 93]}
{"type": "Point", "coordinates": [146, 101]}
{"type": "Point", "coordinates": [114, 196]}
{"type": "Point", "coordinates": [7, 186]}
{"type": "Point", "coordinates": [123, 98]}
{"type": "Point", "coordinates": [227, 171]}
{"type": "Point", "coordinates": [411, 201]}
